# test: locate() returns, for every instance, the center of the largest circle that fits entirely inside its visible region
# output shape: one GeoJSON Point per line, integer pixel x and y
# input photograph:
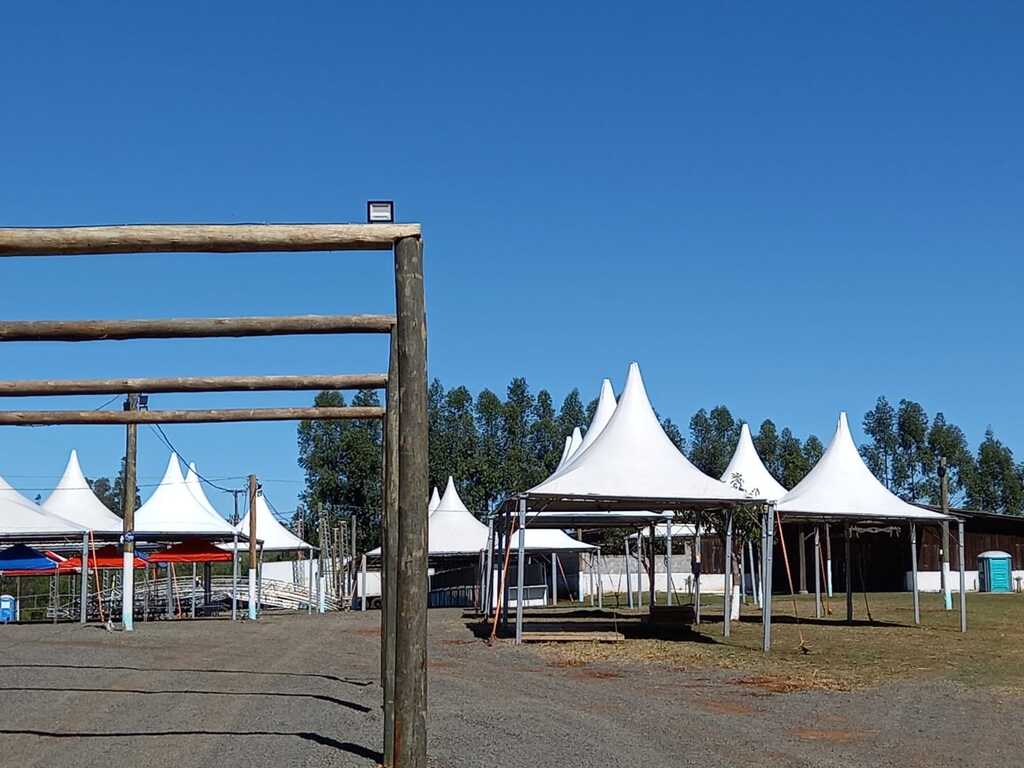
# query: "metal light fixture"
{"type": "Point", "coordinates": [380, 212]}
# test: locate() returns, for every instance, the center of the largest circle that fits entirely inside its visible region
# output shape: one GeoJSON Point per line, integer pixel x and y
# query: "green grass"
{"type": "Point", "coordinates": [840, 656]}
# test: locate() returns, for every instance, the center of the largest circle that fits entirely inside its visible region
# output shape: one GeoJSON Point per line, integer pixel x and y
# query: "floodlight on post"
{"type": "Point", "coordinates": [380, 212]}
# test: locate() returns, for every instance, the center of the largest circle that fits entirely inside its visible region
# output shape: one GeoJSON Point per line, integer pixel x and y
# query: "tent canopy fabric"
{"type": "Point", "coordinates": [173, 509]}
{"type": "Point", "coordinates": [632, 462]}
{"type": "Point", "coordinates": [272, 535]}
{"type": "Point", "coordinates": [452, 529]}
{"type": "Point", "coordinates": [549, 540]}
{"type": "Point", "coordinates": [22, 560]}
{"type": "Point", "coordinates": [435, 501]}
{"type": "Point", "coordinates": [21, 518]}
{"type": "Point", "coordinates": [191, 551]}
{"type": "Point", "coordinates": [747, 472]}
{"type": "Point", "coordinates": [74, 500]}
{"type": "Point", "coordinates": [109, 557]}
{"type": "Point", "coordinates": [841, 486]}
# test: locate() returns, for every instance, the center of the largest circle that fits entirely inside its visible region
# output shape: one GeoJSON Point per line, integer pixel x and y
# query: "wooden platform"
{"type": "Point", "coordinates": [572, 637]}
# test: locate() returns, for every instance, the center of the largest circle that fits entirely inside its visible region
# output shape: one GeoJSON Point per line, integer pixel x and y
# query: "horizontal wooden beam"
{"type": "Point", "coordinates": [45, 387]}
{"type": "Point", "coordinates": [191, 327]}
{"type": "Point", "coordinates": [201, 238]}
{"type": "Point", "coordinates": [53, 418]}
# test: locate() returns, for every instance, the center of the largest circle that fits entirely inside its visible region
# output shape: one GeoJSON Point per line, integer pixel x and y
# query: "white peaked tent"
{"type": "Point", "coordinates": [452, 529]}
{"type": "Point", "coordinates": [74, 500]}
{"type": "Point", "coordinates": [747, 468]}
{"type": "Point", "coordinates": [565, 453]}
{"type": "Point", "coordinates": [574, 441]}
{"type": "Point", "coordinates": [435, 501]}
{"type": "Point", "coordinates": [174, 509]}
{"type": "Point", "coordinates": [632, 460]}
{"type": "Point", "coordinates": [841, 486]}
{"type": "Point", "coordinates": [270, 532]}
{"type": "Point", "coordinates": [21, 518]}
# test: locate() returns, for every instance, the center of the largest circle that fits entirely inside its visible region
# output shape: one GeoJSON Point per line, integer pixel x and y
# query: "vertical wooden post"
{"type": "Point", "coordinates": [410, 750]}
{"type": "Point", "coordinates": [828, 561]}
{"type": "Point", "coordinates": [817, 572]}
{"type": "Point", "coordinates": [947, 587]}
{"type": "Point", "coordinates": [128, 523]}
{"type": "Point", "coordinates": [352, 554]}
{"type": "Point", "coordinates": [390, 552]}
{"type": "Point", "coordinates": [963, 575]}
{"type": "Point", "coordinates": [252, 547]}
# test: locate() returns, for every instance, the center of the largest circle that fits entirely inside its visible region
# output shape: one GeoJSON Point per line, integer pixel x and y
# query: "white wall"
{"type": "Point", "coordinates": [931, 581]}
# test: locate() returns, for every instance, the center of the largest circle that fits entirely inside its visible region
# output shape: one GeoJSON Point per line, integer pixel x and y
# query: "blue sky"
{"type": "Point", "coordinates": [789, 210]}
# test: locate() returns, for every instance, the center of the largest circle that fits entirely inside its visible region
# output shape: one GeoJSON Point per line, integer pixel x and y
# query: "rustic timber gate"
{"type": "Point", "coordinates": [403, 645]}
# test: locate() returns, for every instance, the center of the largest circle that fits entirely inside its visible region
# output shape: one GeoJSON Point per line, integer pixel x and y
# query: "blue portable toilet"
{"type": "Point", "coordinates": [995, 572]}
{"type": "Point", "coordinates": [8, 609]}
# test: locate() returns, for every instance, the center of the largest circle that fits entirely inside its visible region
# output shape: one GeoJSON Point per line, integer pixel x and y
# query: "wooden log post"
{"type": "Point", "coordinates": [390, 551]}
{"type": "Point", "coordinates": [128, 519]}
{"type": "Point", "coordinates": [253, 599]}
{"type": "Point", "coordinates": [410, 736]}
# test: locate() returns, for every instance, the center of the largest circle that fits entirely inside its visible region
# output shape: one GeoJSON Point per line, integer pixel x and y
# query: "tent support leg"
{"type": "Point", "coordinates": [697, 570]}
{"type": "Point", "coordinates": [828, 561]}
{"type": "Point", "coordinates": [817, 572]}
{"type": "Point", "coordinates": [963, 576]}
{"type": "Point", "coordinates": [629, 583]}
{"type": "Point", "coordinates": [768, 534]}
{"type": "Point", "coordinates": [193, 590]}
{"type": "Point", "coordinates": [362, 591]}
{"type": "Point", "coordinates": [83, 610]}
{"type": "Point", "coordinates": [651, 570]}
{"type": "Point", "coordinates": [727, 607]}
{"type": "Point", "coordinates": [520, 571]}
{"type": "Point", "coordinates": [554, 579]}
{"type": "Point", "coordinates": [913, 571]}
{"type": "Point", "coordinates": [668, 563]}
{"type": "Point", "coordinates": [849, 574]}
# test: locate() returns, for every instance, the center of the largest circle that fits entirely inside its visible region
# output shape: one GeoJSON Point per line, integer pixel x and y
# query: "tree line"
{"type": "Point", "coordinates": [496, 445]}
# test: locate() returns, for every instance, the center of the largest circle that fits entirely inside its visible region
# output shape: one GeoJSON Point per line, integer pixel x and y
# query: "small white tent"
{"type": "Point", "coordinates": [21, 518]}
{"type": "Point", "coordinates": [74, 500]}
{"type": "Point", "coordinates": [747, 472]}
{"type": "Point", "coordinates": [841, 486]}
{"type": "Point", "coordinates": [452, 529]}
{"type": "Point", "coordinates": [174, 509]}
{"type": "Point", "coordinates": [435, 501]}
{"type": "Point", "coordinates": [270, 532]}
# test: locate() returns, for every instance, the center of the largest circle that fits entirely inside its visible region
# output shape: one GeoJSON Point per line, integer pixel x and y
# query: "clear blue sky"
{"type": "Point", "coordinates": [789, 210]}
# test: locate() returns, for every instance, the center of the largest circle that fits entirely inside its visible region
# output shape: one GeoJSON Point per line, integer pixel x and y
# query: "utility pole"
{"type": "Point", "coordinates": [128, 520]}
{"type": "Point", "coordinates": [947, 591]}
{"type": "Point", "coordinates": [252, 547]}
{"type": "Point", "coordinates": [235, 494]}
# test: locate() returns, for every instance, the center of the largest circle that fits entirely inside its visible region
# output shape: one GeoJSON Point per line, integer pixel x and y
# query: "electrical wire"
{"type": "Point", "coordinates": [167, 441]}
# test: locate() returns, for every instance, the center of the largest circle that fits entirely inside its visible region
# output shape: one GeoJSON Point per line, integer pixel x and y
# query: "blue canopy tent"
{"type": "Point", "coordinates": [19, 559]}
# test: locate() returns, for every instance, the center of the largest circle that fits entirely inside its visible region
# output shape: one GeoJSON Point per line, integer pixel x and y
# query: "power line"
{"type": "Point", "coordinates": [167, 441]}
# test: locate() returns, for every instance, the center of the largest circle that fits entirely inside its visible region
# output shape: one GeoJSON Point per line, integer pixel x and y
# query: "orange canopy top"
{"type": "Point", "coordinates": [191, 551]}
{"type": "Point", "coordinates": [108, 557]}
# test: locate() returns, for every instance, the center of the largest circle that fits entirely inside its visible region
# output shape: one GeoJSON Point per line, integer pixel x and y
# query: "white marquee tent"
{"type": "Point", "coordinates": [747, 469]}
{"type": "Point", "coordinates": [21, 518]}
{"type": "Point", "coordinates": [270, 532]}
{"type": "Point", "coordinates": [74, 500]}
{"type": "Point", "coordinates": [173, 509]}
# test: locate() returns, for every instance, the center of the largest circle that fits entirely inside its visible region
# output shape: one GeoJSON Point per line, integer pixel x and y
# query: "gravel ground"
{"type": "Point", "coordinates": [302, 691]}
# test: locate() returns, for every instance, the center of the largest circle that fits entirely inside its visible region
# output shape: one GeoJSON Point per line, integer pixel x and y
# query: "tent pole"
{"type": "Point", "coordinates": [600, 581]}
{"type": "Point", "coordinates": [817, 571]}
{"type": "Point", "coordinates": [753, 574]}
{"type": "Point", "coordinates": [801, 539]}
{"type": "Point", "coordinates": [629, 584]}
{"type": "Point", "coordinates": [849, 574]}
{"type": "Point", "coordinates": [963, 576]}
{"type": "Point", "coordinates": [363, 589]}
{"type": "Point", "coordinates": [554, 579]}
{"type": "Point", "coordinates": [489, 579]}
{"type": "Point", "coordinates": [521, 571]}
{"type": "Point", "coordinates": [913, 571]}
{"type": "Point", "coordinates": [234, 578]}
{"type": "Point", "coordinates": [169, 613]}
{"type": "Point", "coordinates": [668, 563]}
{"type": "Point", "coordinates": [309, 585]}
{"type": "Point", "coordinates": [253, 597]}
{"type": "Point", "coordinates": [743, 572]}
{"type": "Point", "coordinates": [193, 590]}
{"type": "Point", "coordinates": [727, 618]}
{"type": "Point", "coordinates": [651, 569]}
{"type": "Point", "coordinates": [84, 586]}
{"type": "Point", "coordinates": [767, 533]}
{"type": "Point", "coordinates": [697, 569]}
{"type": "Point", "coordinates": [828, 561]}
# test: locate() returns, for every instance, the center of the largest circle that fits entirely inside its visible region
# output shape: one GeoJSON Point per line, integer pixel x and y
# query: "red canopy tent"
{"type": "Point", "coordinates": [104, 558]}
{"type": "Point", "coordinates": [191, 551]}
